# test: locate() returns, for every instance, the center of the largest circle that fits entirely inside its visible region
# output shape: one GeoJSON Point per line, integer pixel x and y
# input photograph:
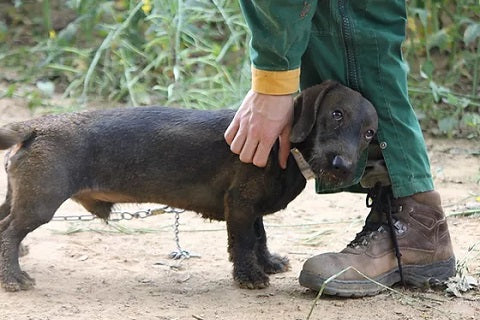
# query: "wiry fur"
{"type": "Point", "coordinates": [172, 156]}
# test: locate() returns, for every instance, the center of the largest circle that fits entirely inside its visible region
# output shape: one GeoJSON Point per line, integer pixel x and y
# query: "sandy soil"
{"type": "Point", "coordinates": [88, 270]}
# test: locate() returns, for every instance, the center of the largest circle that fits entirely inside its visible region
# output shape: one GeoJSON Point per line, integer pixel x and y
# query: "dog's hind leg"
{"type": "Point", "coordinates": [6, 206]}
{"type": "Point", "coordinates": [5, 211]}
{"type": "Point", "coordinates": [272, 263]}
{"type": "Point", "coordinates": [30, 209]}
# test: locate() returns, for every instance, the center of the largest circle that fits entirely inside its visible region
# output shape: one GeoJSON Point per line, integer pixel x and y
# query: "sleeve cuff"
{"type": "Point", "coordinates": [275, 82]}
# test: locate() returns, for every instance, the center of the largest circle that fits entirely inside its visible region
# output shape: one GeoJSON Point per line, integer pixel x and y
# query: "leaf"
{"type": "Point", "coordinates": [446, 125]}
{"type": "Point", "coordinates": [440, 40]}
{"type": "Point", "coordinates": [471, 33]}
{"type": "Point", "coordinates": [457, 101]}
{"type": "Point", "coordinates": [471, 119]}
{"type": "Point", "coordinates": [434, 88]}
{"type": "Point", "coordinates": [427, 69]}
{"type": "Point", "coordinates": [142, 95]}
{"type": "Point", "coordinates": [3, 31]}
{"type": "Point", "coordinates": [46, 87]}
{"type": "Point", "coordinates": [412, 26]}
{"type": "Point", "coordinates": [458, 284]}
{"type": "Point", "coordinates": [422, 15]}
{"type": "Point", "coordinates": [438, 91]}
{"type": "Point", "coordinates": [68, 34]}
{"type": "Point", "coordinates": [10, 91]}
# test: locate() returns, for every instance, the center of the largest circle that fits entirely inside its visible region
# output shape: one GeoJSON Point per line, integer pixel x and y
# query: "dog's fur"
{"type": "Point", "coordinates": [176, 157]}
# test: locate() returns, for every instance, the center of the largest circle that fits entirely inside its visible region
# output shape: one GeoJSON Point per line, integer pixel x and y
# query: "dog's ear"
{"type": "Point", "coordinates": [305, 110]}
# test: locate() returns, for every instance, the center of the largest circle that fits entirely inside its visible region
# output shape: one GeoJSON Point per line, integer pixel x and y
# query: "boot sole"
{"type": "Point", "coordinates": [416, 276]}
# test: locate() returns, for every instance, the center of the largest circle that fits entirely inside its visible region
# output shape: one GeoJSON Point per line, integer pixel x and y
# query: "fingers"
{"type": "Point", "coordinates": [284, 147]}
{"type": "Point", "coordinates": [251, 149]}
{"type": "Point", "coordinates": [238, 142]}
{"type": "Point", "coordinates": [261, 155]}
{"type": "Point", "coordinates": [231, 131]}
{"type": "Point", "coordinates": [258, 123]}
{"type": "Point", "coordinates": [248, 150]}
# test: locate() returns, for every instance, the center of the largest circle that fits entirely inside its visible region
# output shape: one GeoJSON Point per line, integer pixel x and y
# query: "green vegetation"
{"type": "Point", "coordinates": [443, 52]}
{"type": "Point", "coordinates": [194, 53]}
{"type": "Point", "coordinates": [136, 52]}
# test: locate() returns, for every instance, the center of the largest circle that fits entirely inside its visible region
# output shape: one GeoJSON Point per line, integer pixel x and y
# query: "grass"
{"type": "Point", "coordinates": [156, 51]}
{"type": "Point", "coordinates": [460, 283]}
{"type": "Point", "coordinates": [129, 52]}
{"type": "Point", "coordinates": [409, 299]}
{"type": "Point", "coordinates": [443, 52]}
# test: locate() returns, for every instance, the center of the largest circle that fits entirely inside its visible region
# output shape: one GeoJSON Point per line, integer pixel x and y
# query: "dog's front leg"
{"type": "Point", "coordinates": [271, 263]}
{"type": "Point", "coordinates": [241, 247]}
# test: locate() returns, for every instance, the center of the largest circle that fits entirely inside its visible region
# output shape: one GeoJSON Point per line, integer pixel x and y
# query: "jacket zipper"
{"type": "Point", "coordinates": [347, 37]}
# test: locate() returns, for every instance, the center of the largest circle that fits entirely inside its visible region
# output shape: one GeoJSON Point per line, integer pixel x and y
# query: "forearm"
{"type": "Point", "coordinates": [280, 34]}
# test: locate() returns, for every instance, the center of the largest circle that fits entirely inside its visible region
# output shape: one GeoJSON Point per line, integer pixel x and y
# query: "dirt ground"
{"type": "Point", "coordinates": [89, 270]}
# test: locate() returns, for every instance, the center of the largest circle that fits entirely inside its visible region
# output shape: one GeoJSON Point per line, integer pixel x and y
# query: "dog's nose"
{"type": "Point", "coordinates": [342, 165]}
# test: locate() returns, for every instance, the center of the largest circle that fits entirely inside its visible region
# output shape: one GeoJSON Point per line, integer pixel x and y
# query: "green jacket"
{"type": "Point", "coordinates": [300, 43]}
{"type": "Point", "coordinates": [280, 35]}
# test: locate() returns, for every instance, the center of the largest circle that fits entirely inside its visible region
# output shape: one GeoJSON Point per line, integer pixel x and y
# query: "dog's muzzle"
{"type": "Point", "coordinates": [302, 164]}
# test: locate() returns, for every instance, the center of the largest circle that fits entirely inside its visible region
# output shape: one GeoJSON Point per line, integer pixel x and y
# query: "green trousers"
{"type": "Point", "coordinates": [358, 43]}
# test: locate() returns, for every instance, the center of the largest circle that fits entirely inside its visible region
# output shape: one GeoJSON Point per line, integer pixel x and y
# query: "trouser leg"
{"type": "Point", "coordinates": [358, 43]}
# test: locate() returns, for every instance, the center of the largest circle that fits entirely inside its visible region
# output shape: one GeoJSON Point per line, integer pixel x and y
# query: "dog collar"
{"type": "Point", "coordinates": [302, 164]}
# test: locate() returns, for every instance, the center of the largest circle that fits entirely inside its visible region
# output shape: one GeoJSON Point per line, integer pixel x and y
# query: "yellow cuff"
{"type": "Point", "coordinates": [275, 82]}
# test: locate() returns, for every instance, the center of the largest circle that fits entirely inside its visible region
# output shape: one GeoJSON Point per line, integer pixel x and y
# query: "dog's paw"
{"type": "Point", "coordinates": [17, 282]}
{"type": "Point", "coordinates": [251, 280]}
{"type": "Point", "coordinates": [258, 284]}
{"type": "Point", "coordinates": [275, 264]}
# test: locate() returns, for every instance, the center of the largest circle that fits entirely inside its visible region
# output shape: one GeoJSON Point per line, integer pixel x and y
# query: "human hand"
{"type": "Point", "coordinates": [259, 121]}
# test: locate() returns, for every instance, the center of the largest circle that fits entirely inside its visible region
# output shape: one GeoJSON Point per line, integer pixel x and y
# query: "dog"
{"type": "Point", "coordinates": [176, 157]}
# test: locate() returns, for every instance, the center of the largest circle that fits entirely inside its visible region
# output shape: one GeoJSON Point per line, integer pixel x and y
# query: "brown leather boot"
{"type": "Point", "coordinates": [419, 250]}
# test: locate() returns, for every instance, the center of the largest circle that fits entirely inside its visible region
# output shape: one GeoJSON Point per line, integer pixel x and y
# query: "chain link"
{"type": "Point", "coordinates": [179, 253]}
{"type": "Point", "coordinates": [140, 214]}
{"type": "Point", "coordinates": [121, 215]}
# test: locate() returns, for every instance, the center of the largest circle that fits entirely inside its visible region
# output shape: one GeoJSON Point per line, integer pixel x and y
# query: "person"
{"type": "Point", "coordinates": [297, 44]}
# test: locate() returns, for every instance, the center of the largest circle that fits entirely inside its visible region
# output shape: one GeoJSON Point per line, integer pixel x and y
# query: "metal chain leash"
{"type": "Point", "coordinates": [179, 253]}
{"type": "Point", "coordinates": [114, 215]}
{"type": "Point", "coordinates": [140, 214]}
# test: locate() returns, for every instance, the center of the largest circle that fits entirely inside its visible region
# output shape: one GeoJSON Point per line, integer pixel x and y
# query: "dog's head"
{"type": "Point", "coordinates": [332, 127]}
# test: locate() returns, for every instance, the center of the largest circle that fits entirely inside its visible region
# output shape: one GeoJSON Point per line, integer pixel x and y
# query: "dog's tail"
{"type": "Point", "coordinates": [11, 135]}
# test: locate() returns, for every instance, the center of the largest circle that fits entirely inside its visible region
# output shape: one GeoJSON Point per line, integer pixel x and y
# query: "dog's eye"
{"type": "Point", "coordinates": [337, 115]}
{"type": "Point", "coordinates": [369, 134]}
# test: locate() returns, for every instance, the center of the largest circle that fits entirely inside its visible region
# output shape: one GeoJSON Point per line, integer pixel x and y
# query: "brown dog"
{"type": "Point", "coordinates": [176, 157]}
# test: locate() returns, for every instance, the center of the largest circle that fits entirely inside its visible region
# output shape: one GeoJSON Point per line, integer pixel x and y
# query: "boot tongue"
{"type": "Point", "coordinates": [380, 199]}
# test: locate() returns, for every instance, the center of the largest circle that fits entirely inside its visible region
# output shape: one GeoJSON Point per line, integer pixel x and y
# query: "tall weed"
{"type": "Point", "coordinates": [443, 51]}
{"type": "Point", "coordinates": [183, 52]}
{"type": "Point", "coordinates": [193, 53]}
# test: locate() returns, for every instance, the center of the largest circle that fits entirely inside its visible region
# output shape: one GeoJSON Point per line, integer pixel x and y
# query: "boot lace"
{"type": "Point", "coordinates": [381, 219]}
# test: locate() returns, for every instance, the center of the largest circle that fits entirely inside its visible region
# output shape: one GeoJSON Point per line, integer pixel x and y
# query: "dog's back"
{"type": "Point", "coordinates": [127, 155]}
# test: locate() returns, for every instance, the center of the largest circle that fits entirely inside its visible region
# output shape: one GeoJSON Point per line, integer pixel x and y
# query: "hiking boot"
{"type": "Point", "coordinates": [403, 240]}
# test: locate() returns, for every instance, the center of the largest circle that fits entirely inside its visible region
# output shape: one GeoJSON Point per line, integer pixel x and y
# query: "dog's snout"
{"type": "Point", "coordinates": [341, 164]}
